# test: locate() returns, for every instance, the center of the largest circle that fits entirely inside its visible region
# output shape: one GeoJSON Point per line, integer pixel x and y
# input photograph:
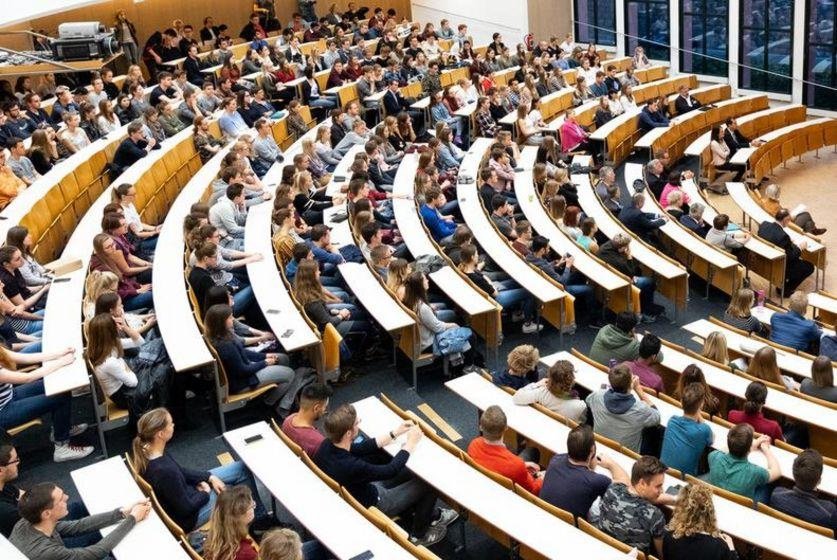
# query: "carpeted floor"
{"type": "Point", "coordinates": [199, 446]}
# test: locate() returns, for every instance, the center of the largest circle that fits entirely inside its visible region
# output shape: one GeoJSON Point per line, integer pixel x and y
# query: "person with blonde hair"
{"type": "Point", "coordinates": [555, 392]}
{"type": "Point", "coordinates": [521, 368]}
{"type": "Point", "coordinates": [692, 533]}
{"type": "Point", "coordinates": [228, 537]}
{"type": "Point", "coordinates": [715, 348]}
{"type": "Point", "coordinates": [187, 495]}
{"type": "Point", "coordinates": [281, 544]}
{"type": "Point", "coordinates": [763, 366]}
{"type": "Point", "coordinates": [738, 313]}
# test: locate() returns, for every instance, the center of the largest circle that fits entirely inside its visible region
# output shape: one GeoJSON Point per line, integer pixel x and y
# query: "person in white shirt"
{"type": "Point", "coordinates": [628, 100]}
{"type": "Point", "coordinates": [567, 45]}
{"type": "Point", "coordinates": [98, 93]}
{"type": "Point", "coordinates": [555, 392]}
{"type": "Point", "coordinates": [144, 236]}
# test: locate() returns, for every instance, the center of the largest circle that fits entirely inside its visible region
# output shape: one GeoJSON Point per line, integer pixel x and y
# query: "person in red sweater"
{"type": "Point", "coordinates": [490, 452]}
{"type": "Point", "coordinates": [228, 536]}
{"type": "Point", "coordinates": [754, 399]}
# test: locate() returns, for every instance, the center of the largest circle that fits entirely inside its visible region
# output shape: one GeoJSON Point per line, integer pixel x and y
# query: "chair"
{"type": "Point", "coordinates": [561, 514]}
{"type": "Point", "coordinates": [503, 481]}
{"type": "Point", "coordinates": [330, 482]}
{"type": "Point", "coordinates": [228, 402]}
{"type": "Point", "coordinates": [191, 552]}
{"type": "Point", "coordinates": [108, 415]}
{"type": "Point", "coordinates": [331, 347]}
{"type": "Point", "coordinates": [732, 496]}
{"type": "Point", "coordinates": [284, 437]}
{"type": "Point", "coordinates": [605, 538]}
{"type": "Point", "coordinates": [398, 534]}
{"type": "Point", "coordinates": [820, 530]}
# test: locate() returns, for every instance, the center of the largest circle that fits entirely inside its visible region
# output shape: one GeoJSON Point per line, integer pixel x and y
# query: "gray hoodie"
{"type": "Point", "coordinates": [621, 416]}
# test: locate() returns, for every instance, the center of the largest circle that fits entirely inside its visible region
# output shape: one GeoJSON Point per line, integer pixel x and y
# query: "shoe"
{"type": "Point", "coordinates": [647, 318]}
{"type": "Point", "coordinates": [531, 327]}
{"type": "Point", "coordinates": [819, 230]}
{"type": "Point", "coordinates": [446, 517]}
{"type": "Point", "coordinates": [434, 534]}
{"type": "Point", "coordinates": [76, 430]}
{"type": "Point", "coordinates": [517, 316]}
{"type": "Point", "coordinates": [67, 452]}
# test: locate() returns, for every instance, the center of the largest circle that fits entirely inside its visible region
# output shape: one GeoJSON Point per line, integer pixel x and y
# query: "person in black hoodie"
{"type": "Point", "coordinates": [617, 254]}
{"type": "Point", "coordinates": [796, 269]}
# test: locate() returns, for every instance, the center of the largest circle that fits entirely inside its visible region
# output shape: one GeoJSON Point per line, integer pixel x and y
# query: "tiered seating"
{"type": "Point", "coordinates": [672, 277]}
{"type": "Point", "coordinates": [717, 267]}
{"type": "Point", "coordinates": [557, 304]}
{"type": "Point", "coordinates": [618, 294]}
{"type": "Point", "coordinates": [786, 143]}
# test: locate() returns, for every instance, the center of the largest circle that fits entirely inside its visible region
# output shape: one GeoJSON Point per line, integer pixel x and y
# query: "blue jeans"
{"type": "Point", "coordinates": [584, 298]}
{"type": "Point", "coordinates": [233, 474]}
{"type": "Point", "coordinates": [29, 402]}
{"type": "Point", "coordinates": [323, 102]}
{"type": "Point", "coordinates": [646, 287]}
{"type": "Point", "coordinates": [139, 301]}
{"type": "Point", "coordinates": [242, 300]}
{"type": "Point", "coordinates": [517, 297]}
{"type": "Point", "coordinates": [31, 348]}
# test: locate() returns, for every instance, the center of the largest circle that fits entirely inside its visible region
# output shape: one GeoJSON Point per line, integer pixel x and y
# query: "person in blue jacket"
{"type": "Point", "coordinates": [440, 227]}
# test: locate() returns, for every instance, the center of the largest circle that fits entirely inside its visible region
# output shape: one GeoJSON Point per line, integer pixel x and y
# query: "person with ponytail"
{"type": "Point", "coordinates": [187, 495]}
{"type": "Point", "coordinates": [754, 399]}
{"type": "Point", "coordinates": [228, 537]}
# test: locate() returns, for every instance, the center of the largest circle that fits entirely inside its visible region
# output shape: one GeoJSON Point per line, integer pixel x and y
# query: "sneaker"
{"type": "Point", "coordinates": [446, 517]}
{"type": "Point", "coordinates": [434, 534]}
{"type": "Point", "coordinates": [819, 231]}
{"type": "Point", "coordinates": [67, 452]}
{"type": "Point", "coordinates": [76, 430]}
{"type": "Point", "coordinates": [531, 326]}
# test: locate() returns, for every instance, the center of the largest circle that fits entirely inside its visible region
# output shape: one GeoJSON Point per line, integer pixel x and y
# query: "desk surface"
{"type": "Point", "coordinates": [822, 301]}
{"type": "Point", "coordinates": [697, 147]}
{"type": "Point", "coordinates": [610, 226]}
{"type": "Point", "coordinates": [490, 239]}
{"type": "Point", "coordinates": [607, 128]}
{"type": "Point", "coordinates": [107, 485]}
{"type": "Point", "coordinates": [8, 551]}
{"type": "Point", "coordinates": [272, 295]}
{"type": "Point", "coordinates": [381, 304]}
{"type": "Point", "coordinates": [740, 194]}
{"type": "Point", "coordinates": [476, 492]}
{"type": "Point", "coordinates": [778, 401]}
{"type": "Point", "coordinates": [171, 298]}
{"type": "Point", "coordinates": [793, 363]}
{"type": "Point", "coordinates": [343, 530]}
{"type": "Point", "coordinates": [677, 232]}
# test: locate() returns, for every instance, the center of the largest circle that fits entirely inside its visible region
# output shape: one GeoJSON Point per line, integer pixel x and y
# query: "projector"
{"type": "Point", "coordinates": [83, 40]}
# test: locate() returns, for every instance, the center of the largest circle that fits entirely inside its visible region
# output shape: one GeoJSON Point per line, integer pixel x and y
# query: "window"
{"type": "Point", "coordinates": [766, 44]}
{"type": "Point", "coordinates": [820, 55]}
{"type": "Point", "coordinates": [704, 36]}
{"type": "Point", "coordinates": [595, 22]}
{"type": "Point", "coordinates": [647, 26]}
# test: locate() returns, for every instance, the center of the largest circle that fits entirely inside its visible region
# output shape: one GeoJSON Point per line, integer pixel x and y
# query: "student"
{"type": "Point", "coordinates": [300, 426]}
{"type": "Point", "coordinates": [754, 399]}
{"type": "Point", "coordinates": [571, 481]}
{"type": "Point", "coordinates": [347, 463]}
{"type": "Point", "coordinates": [246, 369]}
{"type": "Point", "coordinates": [793, 328]}
{"type": "Point", "coordinates": [143, 235]}
{"type": "Point", "coordinates": [32, 272]}
{"type": "Point", "coordinates": [188, 496]}
{"type": "Point", "coordinates": [739, 315]}
{"type": "Point", "coordinates": [555, 392]}
{"type": "Point", "coordinates": [693, 374]}
{"type": "Point", "coordinates": [489, 451]}
{"type": "Point", "coordinates": [228, 537]}
{"type": "Point", "coordinates": [629, 512]}
{"type": "Point", "coordinates": [692, 533]}
{"type": "Point", "coordinates": [801, 501]}
{"type": "Point", "coordinates": [732, 471]}
{"type": "Point", "coordinates": [763, 365]}
{"type": "Point", "coordinates": [10, 184]}
{"type": "Point", "coordinates": [39, 533]}
{"type": "Point", "coordinates": [687, 436]}
{"type": "Point", "coordinates": [521, 368]}
{"type": "Point", "coordinates": [619, 415]}
{"type": "Point", "coordinates": [616, 341]}
{"type": "Point", "coordinates": [649, 355]}
{"type": "Point", "coordinates": [821, 382]}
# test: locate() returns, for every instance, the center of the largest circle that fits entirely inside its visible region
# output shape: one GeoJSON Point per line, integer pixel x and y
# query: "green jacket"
{"type": "Point", "coordinates": [611, 343]}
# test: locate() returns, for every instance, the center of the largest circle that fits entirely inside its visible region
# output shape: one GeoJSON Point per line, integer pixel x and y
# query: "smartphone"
{"type": "Point", "coordinates": [253, 439]}
{"type": "Point", "coordinates": [56, 280]}
{"type": "Point", "coordinates": [272, 311]}
{"type": "Point", "coordinates": [287, 333]}
{"type": "Point", "coordinates": [674, 489]}
{"type": "Point", "coordinates": [363, 556]}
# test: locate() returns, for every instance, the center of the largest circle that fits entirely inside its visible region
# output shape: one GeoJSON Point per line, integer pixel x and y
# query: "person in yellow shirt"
{"type": "Point", "coordinates": [10, 184]}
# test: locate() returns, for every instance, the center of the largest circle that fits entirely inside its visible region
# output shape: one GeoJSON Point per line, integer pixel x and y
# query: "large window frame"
{"type": "Point", "coordinates": [657, 48]}
{"type": "Point", "coordinates": [600, 17]}
{"type": "Point", "coordinates": [768, 46]}
{"type": "Point", "coordinates": [704, 53]}
{"type": "Point", "coordinates": [814, 65]}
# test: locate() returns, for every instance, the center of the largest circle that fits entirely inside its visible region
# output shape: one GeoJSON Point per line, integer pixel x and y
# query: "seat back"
{"type": "Point", "coordinates": [320, 473]}
{"type": "Point", "coordinates": [331, 344]}
{"type": "Point", "coordinates": [820, 530]}
{"type": "Point", "coordinates": [294, 446]}
{"type": "Point", "coordinates": [605, 538]}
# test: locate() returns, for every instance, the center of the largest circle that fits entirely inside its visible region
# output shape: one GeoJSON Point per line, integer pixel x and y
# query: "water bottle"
{"type": "Point", "coordinates": [760, 299]}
